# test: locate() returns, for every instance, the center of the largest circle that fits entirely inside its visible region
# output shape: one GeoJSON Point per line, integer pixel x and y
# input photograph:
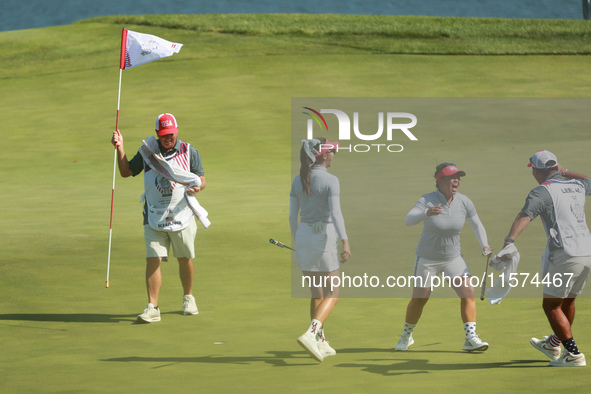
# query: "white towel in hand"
{"type": "Point", "coordinates": [497, 292]}
{"type": "Point", "coordinates": [508, 251]}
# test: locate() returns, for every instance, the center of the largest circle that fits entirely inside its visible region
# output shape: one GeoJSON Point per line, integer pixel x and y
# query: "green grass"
{"type": "Point", "coordinates": [213, 36]}
{"type": "Point", "coordinates": [231, 88]}
{"type": "Point", "coordinates": [389, 34]}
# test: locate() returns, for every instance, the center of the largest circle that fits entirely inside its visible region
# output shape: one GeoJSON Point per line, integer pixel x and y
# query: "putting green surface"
{"type": "Point", "coordinates": [231, 92]}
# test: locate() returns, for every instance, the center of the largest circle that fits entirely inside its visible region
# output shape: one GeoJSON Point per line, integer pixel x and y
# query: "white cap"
{"type": "Point", "coordinates": [542, 160]}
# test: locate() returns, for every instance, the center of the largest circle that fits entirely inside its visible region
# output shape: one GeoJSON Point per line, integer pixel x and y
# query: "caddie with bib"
{"type": "Point", "coordinates": [566, 262]}
{"type": "Point", "coordinates": [173, 175]}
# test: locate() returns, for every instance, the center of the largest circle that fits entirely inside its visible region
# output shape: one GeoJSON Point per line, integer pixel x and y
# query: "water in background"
{"type": "Point", "coordinates": [26, 14]}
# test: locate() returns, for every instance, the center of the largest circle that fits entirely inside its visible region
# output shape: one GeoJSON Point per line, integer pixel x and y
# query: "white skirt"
{"type": "Point", "coordinates": [317, 252]}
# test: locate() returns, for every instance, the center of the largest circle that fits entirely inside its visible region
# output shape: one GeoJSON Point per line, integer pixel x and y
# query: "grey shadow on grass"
{"type": "Point", "coordinates": [276, 359]}
{"type": "Point", "coordinates": [418, 366]}
{"type": "Point", "coordinates": [68, 317]}
{"type": "Point", "coordinates": [391, 350]}
{"type": "Point", "coordinates": [398, 364]}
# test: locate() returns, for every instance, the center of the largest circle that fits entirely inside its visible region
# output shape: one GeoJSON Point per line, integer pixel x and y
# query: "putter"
{"type": "Point", "coordinates": [484, 281]}
{"type": "Point", "coordinates": [281, 245]}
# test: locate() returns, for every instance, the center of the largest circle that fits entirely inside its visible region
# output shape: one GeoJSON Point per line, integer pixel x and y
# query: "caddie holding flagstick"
{"type": "Point", "coordinates": [173, 175]}
{"type": "Point", "coordinates": [137, 49]}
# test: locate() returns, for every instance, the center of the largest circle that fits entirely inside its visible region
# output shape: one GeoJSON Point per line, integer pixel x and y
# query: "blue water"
{"type": "Point", "coordinates": [26, 14]}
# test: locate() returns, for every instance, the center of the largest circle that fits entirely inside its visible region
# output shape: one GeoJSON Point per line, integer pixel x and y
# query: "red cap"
{"type": "Point", "coordinates": [166, 124]}
{"type": "Point", "coordinates": [327, 147]}
{"type": "Point", "coordinates": [449, 170]}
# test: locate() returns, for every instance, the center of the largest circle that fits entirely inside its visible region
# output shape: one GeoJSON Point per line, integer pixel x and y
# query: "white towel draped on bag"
{"type": "Point", "coordinates": [159, 164]}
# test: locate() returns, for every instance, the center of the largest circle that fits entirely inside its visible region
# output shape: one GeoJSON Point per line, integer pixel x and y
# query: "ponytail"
{"type": "Point", "coordinates": [306, 164]}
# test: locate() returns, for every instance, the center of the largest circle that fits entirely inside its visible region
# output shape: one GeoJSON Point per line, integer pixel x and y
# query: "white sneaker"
{"type": "Point", "coordinates": [474, 343]}
{"type": "Point", "coordinates": [308, 342]}
{"type": "Point", "coordinates": [544, 346]}
{"type": "Point", "coordinates": [403, 343]}
{"type": "Point", "coordinates": [325, 349]}
{"type": "Point", "coordinates": [569, 360]}
{"type": "Point", "coordinates": [189, 305]}
{"type": "Point", "coordinates": [150, 315]}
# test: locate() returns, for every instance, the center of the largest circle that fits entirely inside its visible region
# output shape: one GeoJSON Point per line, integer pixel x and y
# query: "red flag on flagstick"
{"type": "Point", "coordinates": [123, 48]}
{"type": "Point", "coordinates": [136, 49]}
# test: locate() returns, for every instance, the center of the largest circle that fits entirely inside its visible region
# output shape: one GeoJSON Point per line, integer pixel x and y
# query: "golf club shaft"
{"type": "Point", "coordinates": [280, 244]}
{"type": "Point", "coordinates": [484, 281]}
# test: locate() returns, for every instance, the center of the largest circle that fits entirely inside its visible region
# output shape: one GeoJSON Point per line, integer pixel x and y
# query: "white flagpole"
{"type": "Point", "coordinates": [121, 67]}
{"type": "Point", "coordinates": [113, 190]}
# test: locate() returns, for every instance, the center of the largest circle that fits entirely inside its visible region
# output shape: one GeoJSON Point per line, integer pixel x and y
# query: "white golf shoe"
{"type": "Point", "coordinates": [403, 343]}
{"type": "Point", "coordinates": [569, 360]}
{"type": "Point", "coordinates": [474, 343]}
{"type": "Point", "coordinates": [308, 342]}
{"type": "Point", "coordinates": [544, 346]}
{"type": "Point", "coordinates": [189, 305]}
{"type": "Point", "coordinates": [325, 349]}
{"type": "Point", "coordinates": [150, 315]}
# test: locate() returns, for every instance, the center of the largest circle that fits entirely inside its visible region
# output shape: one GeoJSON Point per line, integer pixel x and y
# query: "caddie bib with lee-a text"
{"type": "Point", "coordinates": [568, 197]}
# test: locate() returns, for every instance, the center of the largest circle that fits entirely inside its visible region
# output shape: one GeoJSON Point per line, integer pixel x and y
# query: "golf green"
{"type": "Point", "coordinates": [231, 89]}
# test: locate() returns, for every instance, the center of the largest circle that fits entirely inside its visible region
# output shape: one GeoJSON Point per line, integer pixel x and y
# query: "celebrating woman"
{"type": "Point", "coordinates": [443, 213]}
{"type": "Point", "coordinates": [315, 196]}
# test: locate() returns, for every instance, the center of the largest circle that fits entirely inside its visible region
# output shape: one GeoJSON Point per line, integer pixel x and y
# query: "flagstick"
{"type": "Point", "coordinates": [111, 225]}
{"type": "Point", "coordinates": [121, 67]}
{"type": "Point", "coordinates": [114, 172]}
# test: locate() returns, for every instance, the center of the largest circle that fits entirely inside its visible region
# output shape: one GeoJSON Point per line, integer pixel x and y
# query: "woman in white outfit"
{"type": "Point", "coordinates": [443, 214]}
{"type": "Point", "coordinates": [315, 196]}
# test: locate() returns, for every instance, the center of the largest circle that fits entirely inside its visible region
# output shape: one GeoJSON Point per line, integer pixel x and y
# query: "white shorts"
{"type": "Point", "coordinates": [183, 242]}
{"type": "Point", "coordinates": [560, 268]}
{"type": "Point", "coordinates": [427, 269]}
{"type": "Point", "coordinates": [317, 252]}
